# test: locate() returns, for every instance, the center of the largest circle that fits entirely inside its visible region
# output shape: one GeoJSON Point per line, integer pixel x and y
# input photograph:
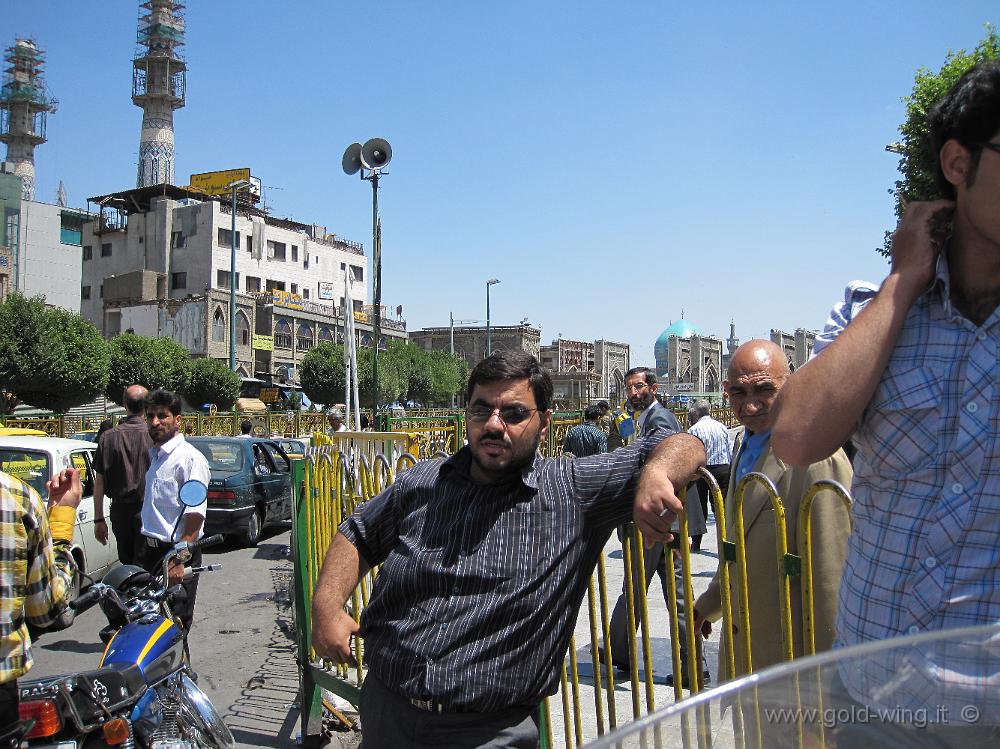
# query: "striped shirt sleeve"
{"type": "Point", "coordinates": [856, 296]}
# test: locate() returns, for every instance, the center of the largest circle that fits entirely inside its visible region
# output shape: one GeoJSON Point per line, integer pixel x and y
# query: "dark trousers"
{"type": "Point", "coordinates": [721, 475]}
{"type": "Point", "coordinates": [126, 524]}
{"type": "Point", "coordinates": [654, 563]}
{"type": "Point", "coordinates": [8, 705]}
{"type": "Point", "coordinates": [152, 558]}
{"type": "Point", "coordinates": [389, 721]}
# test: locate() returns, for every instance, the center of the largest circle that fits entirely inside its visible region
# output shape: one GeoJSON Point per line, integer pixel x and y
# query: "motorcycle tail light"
{"type": "Point", "coordinates": [48, 722]}
{"type": "Point", "coordinates": [116, 731]}
{"type": "Point", "coordinates": [221, 497]}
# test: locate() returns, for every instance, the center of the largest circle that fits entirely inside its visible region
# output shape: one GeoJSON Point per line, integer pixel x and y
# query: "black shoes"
{"type": "Point", "coordinates": [706, 677]}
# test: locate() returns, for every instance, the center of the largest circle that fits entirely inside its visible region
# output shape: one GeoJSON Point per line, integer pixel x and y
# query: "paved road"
{"type": "Point", "coordinates": [241, 643]}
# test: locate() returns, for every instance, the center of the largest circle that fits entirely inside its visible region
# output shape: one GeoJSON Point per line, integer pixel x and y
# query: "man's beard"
{"type": "Point", "coordinates": [641, 403]}
{"type": "Point", "coordinates": [519, 459]}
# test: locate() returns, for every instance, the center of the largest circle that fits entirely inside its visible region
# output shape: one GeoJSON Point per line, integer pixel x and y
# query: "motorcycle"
{"type": "Point", "coordinates": [143, 693]}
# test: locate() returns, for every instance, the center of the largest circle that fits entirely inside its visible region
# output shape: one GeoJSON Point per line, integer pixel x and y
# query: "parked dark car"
{"type": "Point", "coordinates": [250, 487]}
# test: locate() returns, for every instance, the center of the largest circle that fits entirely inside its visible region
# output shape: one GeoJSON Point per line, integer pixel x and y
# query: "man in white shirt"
{"type": "Point", "coordinates": [165, 519]}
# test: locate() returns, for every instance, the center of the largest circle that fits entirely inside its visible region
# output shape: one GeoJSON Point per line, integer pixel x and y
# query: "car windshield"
{"type": "Point", "coordinates": [292, 446]}
{"type": "Point", "coordinates": [28, 465]}
{"type": "Point", "coordinates": [221, 456]}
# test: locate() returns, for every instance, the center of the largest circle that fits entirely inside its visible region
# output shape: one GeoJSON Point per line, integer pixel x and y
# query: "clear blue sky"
{"type": "Point", "coordinates": [610, 163]}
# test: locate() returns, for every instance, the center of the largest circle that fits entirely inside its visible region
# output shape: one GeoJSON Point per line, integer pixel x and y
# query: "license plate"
{"type": "Point", "coordinates": [57, 745]}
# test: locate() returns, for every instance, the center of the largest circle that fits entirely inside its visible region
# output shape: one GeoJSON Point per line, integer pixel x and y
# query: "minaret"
{"type": "Point", "coordinates": [158, 86]}
{"type": "Point", "coordinates": [732, 343]}
{"type": "Point", "coordinates": [24, 106]}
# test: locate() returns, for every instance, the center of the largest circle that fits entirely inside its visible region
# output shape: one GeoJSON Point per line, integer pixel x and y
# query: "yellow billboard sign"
{"type": "Point", "coordinates": [286, 299]}
{"type": "Point", "coordinates": [217, 183]}
{"type": "Point", "coordinates": [262, 342]}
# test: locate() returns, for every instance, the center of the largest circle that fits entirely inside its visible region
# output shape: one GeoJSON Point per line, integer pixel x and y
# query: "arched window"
{"type": "Point", "coordinates": [366, 341]}
{"type": "Point", "coordinates": [219, 326]}
{"type": "Point", "coordinates": [325, 334]}
{"type": "Point", "coordinates": [282, 333]}
{"type": "Point", "coordinates": [242, 329]}
{"type": "Point", "coordinates": [304, 337]}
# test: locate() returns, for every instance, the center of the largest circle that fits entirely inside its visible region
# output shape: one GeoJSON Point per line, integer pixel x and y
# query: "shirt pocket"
{"type": "Point", "coordinates": [903, 424]}
{"type": "Point", "coordinates": [523, 549]}
{"type": "Point", "coordinates": [165, 500]}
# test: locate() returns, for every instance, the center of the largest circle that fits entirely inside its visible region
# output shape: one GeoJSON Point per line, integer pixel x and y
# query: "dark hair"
{"type": "Point", "coordinates": [646, 372]}
{"type": "Point", "coordinates": [969, 113]}
{"type": "Point", "coordinates": [603, 404]}
{"type": "Point", "coordinates": [165, 398]}
{"type": "Point", "coordinates": [513, 365]}
{"type": "Point", "coordinates": [246, 426]}
{"type": "Point", "coordinates": [590, 413]}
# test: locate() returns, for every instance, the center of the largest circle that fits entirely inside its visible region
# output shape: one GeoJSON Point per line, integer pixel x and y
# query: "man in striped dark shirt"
{"type": "Point", "coordinates": [485, 559]}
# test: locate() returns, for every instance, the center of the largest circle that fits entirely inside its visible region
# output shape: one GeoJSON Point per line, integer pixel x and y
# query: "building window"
{"type": "Point", "coordinates": [253, 285]}
{"type": "Point", "coordinates": [102, 291]}
{"type": "Point", "coordinates": [250, 243]}
{"type": "Point", "coordinates": [295, 288]}
{"type": "Point", "coordinates": [85, 292]}
{"type": "Point", "coordinates": [357, 273]}
{"type": "Point", "coordinates": [295, 253]}
{"type": "Point", "coordinates": [106, 250]}
{"type": "Point", "coordinates": [71, 229]}
{"type": "Point", "coordinates": [178, 281]}
{"type": "Point", "coordinates": [282, 334]}
{"type": "Point", "coordinates": [177, 240]}
{"type": "Point", "coordinates": [358, 307]}
{"type": "Point", "coordinates": [276, 250]}
{"type": "Point", "coordinates": [226, 238]}
{"type": "Point", "coordinates": [222, 279]}
{"type": "Point", "coordinates": [242, 329]}
{"type": "Point", "coordinates": [88, 252]}
{"type": "Point", "coordinates": [305, 293]}
{"type": "Point", "coordinates": [325, 334]}
{"type": "Point", "coordinates": [219, 326]}
{"type": "Point", "coordinates": [304, 339]}
{"type": "Point", "coordinates": [305, 261]}
{"type": "Point", "coordinates": [343, 266]}
{"type": "Point", "coordinates": [272, 285]}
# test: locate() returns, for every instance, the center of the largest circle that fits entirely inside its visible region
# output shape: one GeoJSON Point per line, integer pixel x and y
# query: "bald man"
{"type": "Point", "coordinates": [757, 373]}
{"type": "Point", "coordinates": [120, 472]}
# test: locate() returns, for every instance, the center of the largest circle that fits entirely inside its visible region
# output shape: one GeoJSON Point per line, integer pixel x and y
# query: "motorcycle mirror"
{"type": "Point", "coordinates": [193, 493]}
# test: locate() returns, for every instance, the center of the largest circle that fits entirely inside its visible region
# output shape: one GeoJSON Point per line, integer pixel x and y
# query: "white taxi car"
{"type": "Point", "coordinates": [35, 460]}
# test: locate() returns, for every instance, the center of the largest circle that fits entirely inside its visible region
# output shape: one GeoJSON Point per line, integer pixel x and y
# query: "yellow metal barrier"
{"type": "Point", "coordinates": [336, 482]}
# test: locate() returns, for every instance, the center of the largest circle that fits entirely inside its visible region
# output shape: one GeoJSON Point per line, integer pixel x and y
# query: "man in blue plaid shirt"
{"type": "Point", "coordinates": [911, 372]}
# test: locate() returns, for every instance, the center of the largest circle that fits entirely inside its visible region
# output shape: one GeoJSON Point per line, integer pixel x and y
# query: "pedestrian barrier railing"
{"type": "Point", "coordinates": [333, 480]}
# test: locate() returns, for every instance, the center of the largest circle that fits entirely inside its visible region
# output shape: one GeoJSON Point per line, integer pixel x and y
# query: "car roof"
{"type": "Point", "coordinates": [45, 444]}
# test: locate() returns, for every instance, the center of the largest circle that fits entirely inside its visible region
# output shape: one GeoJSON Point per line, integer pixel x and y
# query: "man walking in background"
{"type": "Point", "coordinates": [720, 454]}
{"type": "Point", "coordinates": [586, 438]}
{"type": "Point", "coordinates": [120, 465]}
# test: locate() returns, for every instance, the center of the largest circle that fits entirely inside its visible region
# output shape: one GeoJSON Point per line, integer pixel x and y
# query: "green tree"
{"type": "Point", "coordinates": [322, 373]}
{"type": "Point", "coordinates": [211, 381]}
{"type": "Point", "coordinates": [150, 362]}
{"type": "Point", "coordinates": [49, 357]}
{"type": "Point", "coordinates": [916, 162]}
{"type": "Point", "coordinates": [449, 374]}
{"type": "Point", "coordinates": [391, 377]}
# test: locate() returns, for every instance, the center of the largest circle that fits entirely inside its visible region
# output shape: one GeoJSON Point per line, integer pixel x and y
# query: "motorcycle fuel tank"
{"type": "Point", "coordinates": [156, 647]}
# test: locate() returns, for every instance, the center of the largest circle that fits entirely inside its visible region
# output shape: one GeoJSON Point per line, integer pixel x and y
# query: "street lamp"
{"type": "Point", "coordinates": [240, 184]}
{"type": "Point", "coordinates": [372, 158]}
{"type": "Point", "coordinates": [489, 339]}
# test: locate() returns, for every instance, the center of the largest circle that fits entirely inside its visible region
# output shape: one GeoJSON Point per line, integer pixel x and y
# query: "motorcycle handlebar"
{"type": "Point", "coordinates": [85, 601]}
{"type": "Point", "coordinates": [204, 543]}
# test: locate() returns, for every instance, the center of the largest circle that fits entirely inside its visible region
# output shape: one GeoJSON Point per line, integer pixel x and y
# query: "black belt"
{"type": "Point", "coordinates": [431, 706]}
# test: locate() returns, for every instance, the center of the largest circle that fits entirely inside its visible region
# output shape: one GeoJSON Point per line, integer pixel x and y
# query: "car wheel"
{"type": "Point", "coordinates": [254, 525]}
{"type": "Point", "coordinates": [65, 619]}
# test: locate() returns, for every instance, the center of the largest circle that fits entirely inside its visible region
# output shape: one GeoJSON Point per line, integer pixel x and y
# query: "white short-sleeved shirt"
{"type": "Point", "coordinates": [171, 464]}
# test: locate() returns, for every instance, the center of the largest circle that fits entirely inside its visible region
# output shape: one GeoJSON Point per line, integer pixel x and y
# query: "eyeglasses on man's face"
{"type": "Point", "coordinates": [509, 415]}
{"type": "Point", "coordinates": [995, 147]}
{"type": "Point", "coordinates": [636, 387]}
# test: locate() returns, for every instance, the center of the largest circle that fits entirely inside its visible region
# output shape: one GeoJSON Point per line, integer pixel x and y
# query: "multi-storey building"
{"type": "Point", "coordinates": [583, 371]}
{"type": "Point", "coordinates": [798, 346]}
{"type": "Point", "coordinates": [157, 261]}
{"type": "Point", "coordinates": [469, 341]}
{"type": "Point", "coordinates": [688, 363]}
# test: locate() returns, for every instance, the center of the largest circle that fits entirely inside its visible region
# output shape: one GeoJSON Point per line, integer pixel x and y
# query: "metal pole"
{"type": "Point", "coordinates": [377, 288]}
{"type": "Point", "coordinates": [232, 288]}
{"type": "Point", "coordinates": [489, 341]}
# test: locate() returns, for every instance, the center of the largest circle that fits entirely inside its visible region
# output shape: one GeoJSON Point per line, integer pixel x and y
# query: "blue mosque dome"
{"type": "Point", "coordinates": [681, 329]}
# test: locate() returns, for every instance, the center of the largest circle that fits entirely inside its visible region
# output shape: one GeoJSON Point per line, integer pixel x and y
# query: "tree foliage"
{"type": "Point", "coordinates": [916, 162]}
{"type": "Point", "coordinates": [322, 373]}
{"type": "Point", "coordinates": [150, 362]}
{"type": "Point", "coordinates": [49, 357]}
{"type": "Point", "coordinates": [211, 381]}
{"type": "Point", "coordinates": [403, 370]}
